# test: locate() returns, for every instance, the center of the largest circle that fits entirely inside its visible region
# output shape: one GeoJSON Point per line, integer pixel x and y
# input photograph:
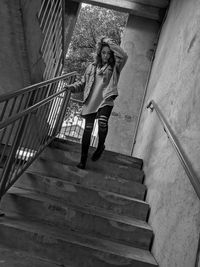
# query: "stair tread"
{"type": "Point", "coordinates": [91, 195]}
{"type": "Point", "coordinates": [99, 180]}
{"type": "Point", "coordinates": [19, 222]}
{"type": "Point", "coordinates": [66, 168]}
{"type": "Point", "coordinates": [85, 186]}
{"type": "Point", "coordinates": [71, 158]}
{"type": "Point", "coordinates": [85, 209]}
{"type": "Point", "coordinates": [124, 159]}
{"type": "Point", "coordinates": [16, 258]}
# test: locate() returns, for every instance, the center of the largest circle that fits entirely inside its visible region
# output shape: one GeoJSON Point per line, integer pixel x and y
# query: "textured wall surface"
{"type": "Point", "coordinates": [175, 86]}
{"type": "Point", "coordinates": [33, 38]}
{"type": "Point", "coordinates": [21, 63]}
{"type": "Point", "coordinates": [138, 42]}
{"type": "Point", "coordinates": [14, 72]}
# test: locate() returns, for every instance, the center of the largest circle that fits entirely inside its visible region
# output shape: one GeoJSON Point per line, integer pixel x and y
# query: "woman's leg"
{"type": "Point", "coordinates": [103, 117]}
{"type": "Point", "coordinates": [89, 123]}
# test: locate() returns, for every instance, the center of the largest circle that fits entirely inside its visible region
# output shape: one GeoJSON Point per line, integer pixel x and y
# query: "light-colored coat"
{"type": "Point", "coordinates": [110, 77]}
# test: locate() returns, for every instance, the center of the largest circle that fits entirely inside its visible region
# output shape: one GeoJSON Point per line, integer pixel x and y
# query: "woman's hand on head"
{"type": "Point", "coordinates": [107, 40]}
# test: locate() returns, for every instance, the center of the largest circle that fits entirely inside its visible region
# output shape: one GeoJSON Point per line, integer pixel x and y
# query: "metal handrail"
{"type": "Point", "coordinates": [30, 119]}
{"type": "Point", "coordinates": [30, 88]}
{"type": "Point", "coordinates": [179, 151]}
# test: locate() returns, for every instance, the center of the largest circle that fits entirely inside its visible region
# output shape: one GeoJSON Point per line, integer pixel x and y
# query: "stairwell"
{"type": "Point", "coordinates": [59, 215]}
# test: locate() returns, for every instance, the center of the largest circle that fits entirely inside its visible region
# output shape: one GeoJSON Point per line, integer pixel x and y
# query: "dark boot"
{"type": "Point", "coordinates": [82, 162]}
{"type": "Point", "coordinates": [98, 152]}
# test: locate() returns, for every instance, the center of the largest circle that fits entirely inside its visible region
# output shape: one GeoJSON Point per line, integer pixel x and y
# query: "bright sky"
{"type": "Point", "coordinates": [84, 4]}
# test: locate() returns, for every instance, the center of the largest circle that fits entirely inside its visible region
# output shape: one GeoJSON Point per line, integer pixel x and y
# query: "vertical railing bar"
{"type": "Point", "coordinates": [53, 114]}
{"type": "Point", "coordinates": [6, 144]}
{"type": "Point", "coordinates": [10, 113]}
{"type": "Point", "coordinates": [51, 91]}
{"type": "Point", "coordinates": [53, 70]}
{"type": "Point", "coordinates": [50, 47]}
{"type": "Point", "coordinates": [50, 64]}
{"type": "Point", "coordinates": [24, 135]}
{"type": "Point", "coordinates": [45, 122]}
{"type": "Point", "coordinates": [79, 129]}
{"type": "Point", "coordinates": [8, 165]}
{"type": "Point", "coordinates": [41, 8]}
{"type": "Point", "coordinates": [4, 110]}
{"type": "Point", "coordinates": [52, 16]}
{"type": "Point", "coordinates": [44, 14]}
{"type": "Point", "coordinates": [50, 26]}
{"type": "Point", "coordinates": [57, 110]}
{"type": "Point", "coordinates": [28, 99]}
{"type": "Point", "coordinates": [27, 132]}
{"type": "Point", "coordinates": [49, 15]}
{"type": "Point", "coordinates": [30, 94]}
{"type": "Point", "coordinates": [62, 109]}
{"type": "Point", "coordinates": [49, 70]}
{"type": "Point", "coordinates": [63, 33]}
{"type": "Point", "coordinates": [49, 35]}
{"type": "Point", "coordinates": [11, 168]}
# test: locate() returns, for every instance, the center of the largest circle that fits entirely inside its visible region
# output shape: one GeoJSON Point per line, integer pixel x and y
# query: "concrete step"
{"type": "Point", "coordinates": [69, 247]}
{"type": "Point", "coordinates": [18, 258]}
{"type": "Point", "coordinates": [115, 169]}
{"type": "Point", "coordinates": [87, 220]}
{"type": "Point", "coordinates": [89, 178]}
{"type": "Point", "coordinates": [107, 155]}
{"type": "Point", "coordinates": [85, 195]}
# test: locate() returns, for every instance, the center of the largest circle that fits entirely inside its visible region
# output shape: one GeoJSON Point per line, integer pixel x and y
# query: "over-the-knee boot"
{"type": "Point", "coordinates": [82, 163]}
{"type": "Point", "coordinates": [85, 146]}
{"type": "Point", "coordinates": [103, 130]}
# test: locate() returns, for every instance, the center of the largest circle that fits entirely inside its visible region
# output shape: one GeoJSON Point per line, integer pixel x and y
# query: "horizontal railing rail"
{"type": "Point", "coordinates": [178, 149]}
{"type": "Point", "coordinates": [30, 119]}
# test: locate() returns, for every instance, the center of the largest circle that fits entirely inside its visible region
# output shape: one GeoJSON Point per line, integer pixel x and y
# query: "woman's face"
{"type": "Point", "coordinates": [105, 54]}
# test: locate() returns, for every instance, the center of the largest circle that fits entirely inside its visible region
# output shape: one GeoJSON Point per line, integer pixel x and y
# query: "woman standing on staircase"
{"type": "Point", "coordinates": [99, 84]}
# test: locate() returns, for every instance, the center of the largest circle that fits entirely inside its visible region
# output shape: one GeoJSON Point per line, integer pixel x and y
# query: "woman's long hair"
{"type": "Point", "coordinates": [97, 57]}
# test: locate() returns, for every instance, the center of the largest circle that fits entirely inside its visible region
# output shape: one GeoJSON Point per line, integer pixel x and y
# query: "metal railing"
{"type": "Point", "coordinates": [51, 20]}
{"type": "Point", "coordinates": [30, 119]}
{"type": "Point", "coordinates": [179, 151]}
{"type": "Point", "coordinates": [73, 124]}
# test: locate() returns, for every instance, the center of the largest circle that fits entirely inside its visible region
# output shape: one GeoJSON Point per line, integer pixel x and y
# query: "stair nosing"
{"type": "Point", "coordinates": [91, 187]}
{"type": "Point", "coordinates": [103, 244]}
{"type": "Point", "coordinates": [23, 254]}
{"type": "Point", "coordinates": [86, 209]}
{"type": "Point", "coordinates": [62, 141]}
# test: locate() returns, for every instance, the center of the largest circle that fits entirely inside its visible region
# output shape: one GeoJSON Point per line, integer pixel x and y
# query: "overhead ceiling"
{"type": "Point", "coordinates": [152, 9]}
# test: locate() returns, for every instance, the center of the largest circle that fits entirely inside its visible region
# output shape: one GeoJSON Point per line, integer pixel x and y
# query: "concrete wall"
{"type": "Point", "coordinates": [71, 15]}
{"type": "Point", "coordinates": [33, 38]}
{"type": "Point", "coordinates": [138, 41]}
{"type": "Point", "coordinates": [175, 86]}
{"type": "Point", "coordinates": [20, 59]}
{"type": "Point", "coordinates": [14, 71]}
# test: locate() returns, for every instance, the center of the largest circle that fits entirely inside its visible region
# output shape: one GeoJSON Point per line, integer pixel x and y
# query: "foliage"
{"type": "Point", "coordinates": [73, 110]}
{"type": "Point", "coordinates": [92, 23]}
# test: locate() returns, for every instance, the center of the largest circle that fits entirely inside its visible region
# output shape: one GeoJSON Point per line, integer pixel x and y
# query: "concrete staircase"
{"type": "Point", "coordinates": [59, 215]}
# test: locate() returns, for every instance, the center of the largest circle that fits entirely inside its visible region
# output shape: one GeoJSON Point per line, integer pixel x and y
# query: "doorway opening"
{"type": "Point", "coordinates": [92, 23]}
